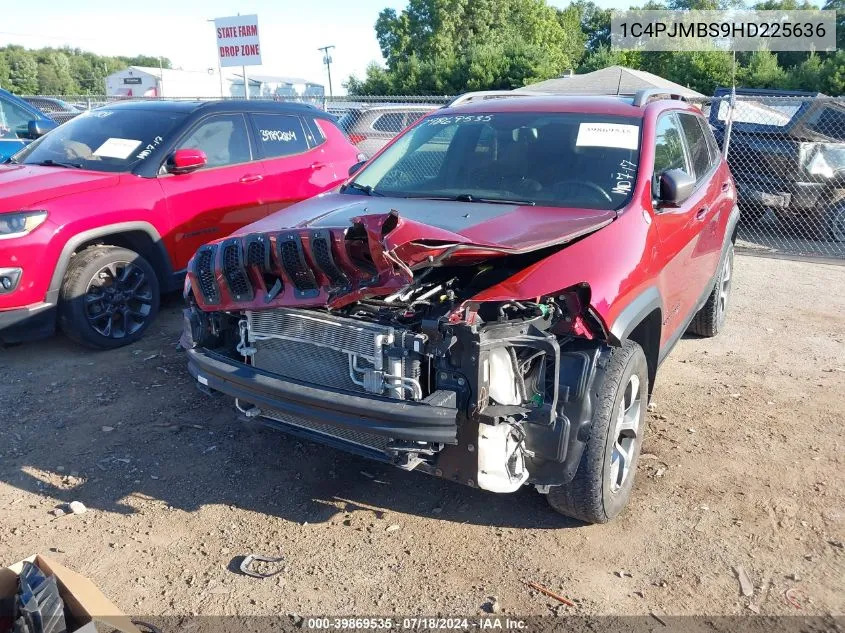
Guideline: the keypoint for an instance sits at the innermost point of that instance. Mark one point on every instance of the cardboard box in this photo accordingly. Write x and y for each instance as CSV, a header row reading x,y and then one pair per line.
x,y
85,602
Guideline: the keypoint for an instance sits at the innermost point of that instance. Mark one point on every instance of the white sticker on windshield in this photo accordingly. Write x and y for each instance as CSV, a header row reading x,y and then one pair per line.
x,y
616,135
117,148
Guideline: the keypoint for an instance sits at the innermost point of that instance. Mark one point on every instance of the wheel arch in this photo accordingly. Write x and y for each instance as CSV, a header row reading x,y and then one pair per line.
x,y
141,237
642,322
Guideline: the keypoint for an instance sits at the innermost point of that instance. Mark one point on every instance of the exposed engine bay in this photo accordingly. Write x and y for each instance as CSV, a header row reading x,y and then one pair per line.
x,y
508,401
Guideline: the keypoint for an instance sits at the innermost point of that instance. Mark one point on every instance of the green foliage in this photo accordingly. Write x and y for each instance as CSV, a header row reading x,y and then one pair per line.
x,y
447,46
64,71
762,71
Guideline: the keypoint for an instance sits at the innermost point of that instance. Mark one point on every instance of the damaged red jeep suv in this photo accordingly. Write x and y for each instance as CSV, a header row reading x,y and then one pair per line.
x,y
487,300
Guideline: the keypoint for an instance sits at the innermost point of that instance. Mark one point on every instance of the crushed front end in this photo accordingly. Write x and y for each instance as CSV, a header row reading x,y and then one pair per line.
x,y
332,336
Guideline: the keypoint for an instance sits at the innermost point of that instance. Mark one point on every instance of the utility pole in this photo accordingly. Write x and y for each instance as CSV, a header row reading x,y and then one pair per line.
x,y
327,60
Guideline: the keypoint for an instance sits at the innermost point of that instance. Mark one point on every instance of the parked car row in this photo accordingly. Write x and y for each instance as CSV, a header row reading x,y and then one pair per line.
x,y
787,152
20,123
103,213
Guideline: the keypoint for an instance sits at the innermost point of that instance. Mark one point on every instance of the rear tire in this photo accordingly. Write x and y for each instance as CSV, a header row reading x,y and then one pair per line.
x,y
710,320
109,297
603,482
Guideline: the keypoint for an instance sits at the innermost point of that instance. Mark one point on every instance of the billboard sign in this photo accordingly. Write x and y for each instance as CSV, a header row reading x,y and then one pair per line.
x,y
237,41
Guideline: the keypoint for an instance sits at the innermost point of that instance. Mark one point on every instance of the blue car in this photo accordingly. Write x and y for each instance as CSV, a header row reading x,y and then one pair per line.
x,y
20,123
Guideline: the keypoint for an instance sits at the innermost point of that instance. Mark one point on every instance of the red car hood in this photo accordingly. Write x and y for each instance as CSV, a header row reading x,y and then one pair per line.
x,y
511,228
335,249
22,186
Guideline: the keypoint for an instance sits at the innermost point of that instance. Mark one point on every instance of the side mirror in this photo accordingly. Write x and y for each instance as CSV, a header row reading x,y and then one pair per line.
x,y
37,129
676,185
184,161
356,167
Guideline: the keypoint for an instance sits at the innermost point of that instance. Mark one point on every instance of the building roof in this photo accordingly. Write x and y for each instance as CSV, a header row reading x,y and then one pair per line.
x,y
275,79
165,73
608,81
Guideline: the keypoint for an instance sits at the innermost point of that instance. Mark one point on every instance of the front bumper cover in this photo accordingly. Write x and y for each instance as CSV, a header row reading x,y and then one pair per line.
x,y
27,324
397,419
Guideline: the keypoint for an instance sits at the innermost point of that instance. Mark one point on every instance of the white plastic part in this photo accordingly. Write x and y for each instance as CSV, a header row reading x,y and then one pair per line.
x,y
501,464
502,381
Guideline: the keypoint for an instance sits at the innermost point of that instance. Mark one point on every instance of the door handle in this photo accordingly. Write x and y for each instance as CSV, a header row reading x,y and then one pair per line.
x,y
702,213
317,165
253,178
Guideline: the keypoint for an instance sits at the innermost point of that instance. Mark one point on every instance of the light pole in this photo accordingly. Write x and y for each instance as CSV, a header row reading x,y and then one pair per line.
x,y
327,60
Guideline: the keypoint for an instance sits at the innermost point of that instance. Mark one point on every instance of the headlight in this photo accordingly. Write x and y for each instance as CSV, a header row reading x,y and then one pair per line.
x,y
828,158
20,223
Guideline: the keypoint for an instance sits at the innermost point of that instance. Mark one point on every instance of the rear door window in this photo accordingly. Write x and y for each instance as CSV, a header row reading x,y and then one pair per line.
x,y
279,135
393,122
697,145
313,132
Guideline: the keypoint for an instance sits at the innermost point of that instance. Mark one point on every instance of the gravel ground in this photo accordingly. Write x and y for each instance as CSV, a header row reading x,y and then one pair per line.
x,y
739,470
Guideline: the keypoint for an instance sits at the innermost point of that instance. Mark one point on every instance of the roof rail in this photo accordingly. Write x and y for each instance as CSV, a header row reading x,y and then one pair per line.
x,y
483,95
646,95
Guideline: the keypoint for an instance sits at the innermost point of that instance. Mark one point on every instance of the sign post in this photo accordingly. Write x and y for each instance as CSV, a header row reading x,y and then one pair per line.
x,y
237,43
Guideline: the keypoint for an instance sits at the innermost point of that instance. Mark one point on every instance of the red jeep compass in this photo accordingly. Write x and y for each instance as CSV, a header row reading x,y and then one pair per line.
x,y
488,300
104,212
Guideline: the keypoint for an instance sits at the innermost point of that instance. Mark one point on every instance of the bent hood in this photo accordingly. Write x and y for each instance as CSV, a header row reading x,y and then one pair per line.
x,y
515,228
23,186
336,249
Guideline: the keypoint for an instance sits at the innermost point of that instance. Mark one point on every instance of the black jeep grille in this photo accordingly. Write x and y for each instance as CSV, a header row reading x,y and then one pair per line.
x,y
234,272
255,254
323,256
204,270
291,257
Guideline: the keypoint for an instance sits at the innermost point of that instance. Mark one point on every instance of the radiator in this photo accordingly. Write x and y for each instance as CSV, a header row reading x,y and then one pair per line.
x,y
327,350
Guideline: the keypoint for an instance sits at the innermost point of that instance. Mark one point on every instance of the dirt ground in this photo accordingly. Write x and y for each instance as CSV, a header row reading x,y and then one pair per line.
x,y
742,466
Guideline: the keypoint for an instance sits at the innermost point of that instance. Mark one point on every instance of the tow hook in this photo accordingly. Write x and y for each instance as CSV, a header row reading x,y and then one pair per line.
x,y
252,412
243,347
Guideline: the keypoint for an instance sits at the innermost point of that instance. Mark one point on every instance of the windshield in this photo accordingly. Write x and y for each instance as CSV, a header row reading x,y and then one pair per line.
x,y
564,160
103,140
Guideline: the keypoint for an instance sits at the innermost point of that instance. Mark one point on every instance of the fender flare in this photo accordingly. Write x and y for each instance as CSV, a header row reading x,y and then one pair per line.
x,y
77,239
633,314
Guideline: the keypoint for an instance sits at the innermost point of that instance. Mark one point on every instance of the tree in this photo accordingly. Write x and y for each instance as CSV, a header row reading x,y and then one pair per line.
x,y
54,74
762,71
23,71
595,24
448,46
4,71
808,74
146,60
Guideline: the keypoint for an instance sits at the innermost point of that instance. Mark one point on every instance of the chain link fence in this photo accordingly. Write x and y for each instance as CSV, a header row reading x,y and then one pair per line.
x,y
787,154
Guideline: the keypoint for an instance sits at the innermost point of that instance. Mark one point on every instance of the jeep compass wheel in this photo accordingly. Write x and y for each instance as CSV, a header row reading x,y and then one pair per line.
x,y
602,485
110,296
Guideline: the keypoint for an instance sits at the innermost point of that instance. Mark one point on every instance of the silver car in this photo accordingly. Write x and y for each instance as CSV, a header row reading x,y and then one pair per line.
x,y
370,127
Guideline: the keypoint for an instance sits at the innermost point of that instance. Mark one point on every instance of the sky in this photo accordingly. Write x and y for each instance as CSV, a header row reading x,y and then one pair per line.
x,y
290,31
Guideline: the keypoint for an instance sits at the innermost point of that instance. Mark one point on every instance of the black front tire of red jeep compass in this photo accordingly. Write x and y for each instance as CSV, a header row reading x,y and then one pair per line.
x,y
109,297
602,484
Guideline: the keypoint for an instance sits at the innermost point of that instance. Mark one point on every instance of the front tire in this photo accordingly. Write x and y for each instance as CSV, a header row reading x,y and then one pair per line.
x,y
109,297
710,319
603,482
